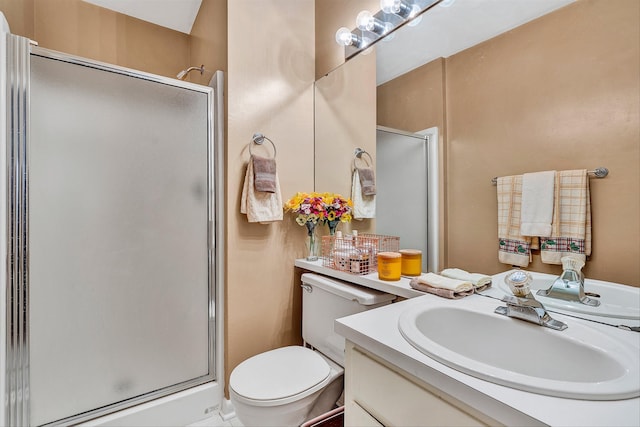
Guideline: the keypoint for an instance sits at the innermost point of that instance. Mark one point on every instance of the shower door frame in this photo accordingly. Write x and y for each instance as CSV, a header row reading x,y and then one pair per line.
x,y
14,183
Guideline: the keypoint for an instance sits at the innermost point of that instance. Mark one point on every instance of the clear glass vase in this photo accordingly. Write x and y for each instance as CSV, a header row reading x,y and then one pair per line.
x,y
313,243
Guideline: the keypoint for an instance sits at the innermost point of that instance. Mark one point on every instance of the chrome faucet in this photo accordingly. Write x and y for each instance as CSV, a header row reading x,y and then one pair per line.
x,y
523,305
570,285
529,309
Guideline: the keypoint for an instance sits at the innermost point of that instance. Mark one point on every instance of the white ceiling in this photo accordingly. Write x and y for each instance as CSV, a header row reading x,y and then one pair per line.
x,y
178,15
445,31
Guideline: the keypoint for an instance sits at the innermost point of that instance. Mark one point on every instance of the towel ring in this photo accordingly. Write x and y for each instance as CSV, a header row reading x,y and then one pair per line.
x,y
358,155
258,139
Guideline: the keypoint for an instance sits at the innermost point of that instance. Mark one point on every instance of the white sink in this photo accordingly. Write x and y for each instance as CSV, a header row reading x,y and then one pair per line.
x,y
616,301
581,362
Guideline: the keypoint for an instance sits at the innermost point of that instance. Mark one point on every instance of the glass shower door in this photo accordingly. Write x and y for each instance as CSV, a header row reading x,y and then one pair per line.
x,y
120,217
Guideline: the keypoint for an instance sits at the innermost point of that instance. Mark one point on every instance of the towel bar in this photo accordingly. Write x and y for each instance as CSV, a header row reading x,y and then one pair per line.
x,y
597,172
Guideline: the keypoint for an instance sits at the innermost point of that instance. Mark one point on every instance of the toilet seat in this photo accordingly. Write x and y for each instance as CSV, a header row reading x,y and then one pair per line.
x,y
279,376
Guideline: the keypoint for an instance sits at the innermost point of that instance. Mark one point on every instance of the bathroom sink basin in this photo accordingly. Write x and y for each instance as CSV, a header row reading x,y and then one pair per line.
x,y
581,362
616,301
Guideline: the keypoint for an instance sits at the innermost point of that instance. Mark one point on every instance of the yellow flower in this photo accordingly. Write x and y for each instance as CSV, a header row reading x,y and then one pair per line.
x,y
331,215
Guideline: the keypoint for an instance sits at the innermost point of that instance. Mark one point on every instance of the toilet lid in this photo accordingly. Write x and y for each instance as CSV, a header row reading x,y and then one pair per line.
x,y
279,373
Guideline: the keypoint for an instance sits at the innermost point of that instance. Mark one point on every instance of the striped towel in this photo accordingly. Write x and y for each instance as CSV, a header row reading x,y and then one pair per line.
x,y
513,249
571,224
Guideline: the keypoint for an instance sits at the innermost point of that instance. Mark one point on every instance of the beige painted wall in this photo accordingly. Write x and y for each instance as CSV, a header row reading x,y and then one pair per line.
x,y
86,30
345,118
83,29
208,41
270,90
560,92
423,91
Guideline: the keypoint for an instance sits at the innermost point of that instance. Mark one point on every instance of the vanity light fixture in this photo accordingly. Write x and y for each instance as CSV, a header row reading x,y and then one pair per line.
x,y
366,21
400,8
345,37
382,25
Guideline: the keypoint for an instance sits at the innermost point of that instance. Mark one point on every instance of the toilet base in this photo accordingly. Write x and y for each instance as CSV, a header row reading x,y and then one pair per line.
x,y
290,414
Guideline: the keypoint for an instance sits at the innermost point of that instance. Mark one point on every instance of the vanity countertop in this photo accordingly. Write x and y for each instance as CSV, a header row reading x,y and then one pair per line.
x,y
377,332
400,288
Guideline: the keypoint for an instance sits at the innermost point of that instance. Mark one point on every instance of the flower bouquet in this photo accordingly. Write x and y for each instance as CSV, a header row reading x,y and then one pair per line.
x,y
337,210
310,210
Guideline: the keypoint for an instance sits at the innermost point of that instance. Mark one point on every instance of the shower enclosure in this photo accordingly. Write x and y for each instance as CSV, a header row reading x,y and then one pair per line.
x,y
109,187
407,175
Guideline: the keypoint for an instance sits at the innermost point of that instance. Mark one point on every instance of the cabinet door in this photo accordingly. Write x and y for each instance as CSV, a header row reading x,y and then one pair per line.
x,y
395,400
356,416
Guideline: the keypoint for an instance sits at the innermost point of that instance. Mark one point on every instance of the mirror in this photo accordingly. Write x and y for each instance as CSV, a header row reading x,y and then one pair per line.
x,y
543,94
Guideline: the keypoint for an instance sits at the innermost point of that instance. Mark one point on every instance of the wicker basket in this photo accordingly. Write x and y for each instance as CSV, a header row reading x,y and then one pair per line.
x,y
356,255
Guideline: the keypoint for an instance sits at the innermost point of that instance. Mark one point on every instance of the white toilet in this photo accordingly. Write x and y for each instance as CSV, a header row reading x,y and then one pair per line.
x,y
286,386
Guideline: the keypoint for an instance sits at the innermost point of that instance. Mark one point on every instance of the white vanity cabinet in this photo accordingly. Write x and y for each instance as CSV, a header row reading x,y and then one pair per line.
x,y
378,394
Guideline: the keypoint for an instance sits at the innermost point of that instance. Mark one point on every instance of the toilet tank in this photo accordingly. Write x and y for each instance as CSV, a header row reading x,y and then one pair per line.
x,y
323,301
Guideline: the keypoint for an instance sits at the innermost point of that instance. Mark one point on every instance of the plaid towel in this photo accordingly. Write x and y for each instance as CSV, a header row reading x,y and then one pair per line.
x,y
513,249
571,224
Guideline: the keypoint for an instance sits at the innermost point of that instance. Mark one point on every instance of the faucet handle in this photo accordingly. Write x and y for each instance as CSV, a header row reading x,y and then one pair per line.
x,y
572,263
519,281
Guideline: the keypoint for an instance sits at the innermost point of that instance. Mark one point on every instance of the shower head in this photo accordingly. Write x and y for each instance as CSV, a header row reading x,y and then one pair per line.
x,y
183,74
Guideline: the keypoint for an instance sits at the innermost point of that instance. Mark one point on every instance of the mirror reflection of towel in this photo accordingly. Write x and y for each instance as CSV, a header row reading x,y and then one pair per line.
x,y
536,211
571,225
514,249
363,206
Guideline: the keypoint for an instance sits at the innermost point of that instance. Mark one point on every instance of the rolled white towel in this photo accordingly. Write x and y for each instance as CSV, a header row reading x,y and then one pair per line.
x,y
438,281
478,280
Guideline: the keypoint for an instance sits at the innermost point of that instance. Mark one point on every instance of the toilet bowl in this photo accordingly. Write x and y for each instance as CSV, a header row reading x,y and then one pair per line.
x,y
284,387
289,385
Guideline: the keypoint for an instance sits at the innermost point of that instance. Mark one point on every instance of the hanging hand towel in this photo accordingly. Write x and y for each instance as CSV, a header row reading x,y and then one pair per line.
x,y
363,206
571,225
264,172
537,203
513,249
260,206
367,181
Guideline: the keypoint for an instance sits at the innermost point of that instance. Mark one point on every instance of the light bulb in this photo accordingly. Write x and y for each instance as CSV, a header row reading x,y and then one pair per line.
x,y
366,21
400,8
344,36
390,6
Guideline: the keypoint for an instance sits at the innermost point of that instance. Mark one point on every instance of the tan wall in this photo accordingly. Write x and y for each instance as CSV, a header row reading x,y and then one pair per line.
x,y
19,14
423,91
345,118
329,16
270,90
83,29
558,93
208,41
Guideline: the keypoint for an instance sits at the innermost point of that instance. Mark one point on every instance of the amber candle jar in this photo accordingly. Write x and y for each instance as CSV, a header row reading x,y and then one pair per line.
x,y
411,262
389,266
